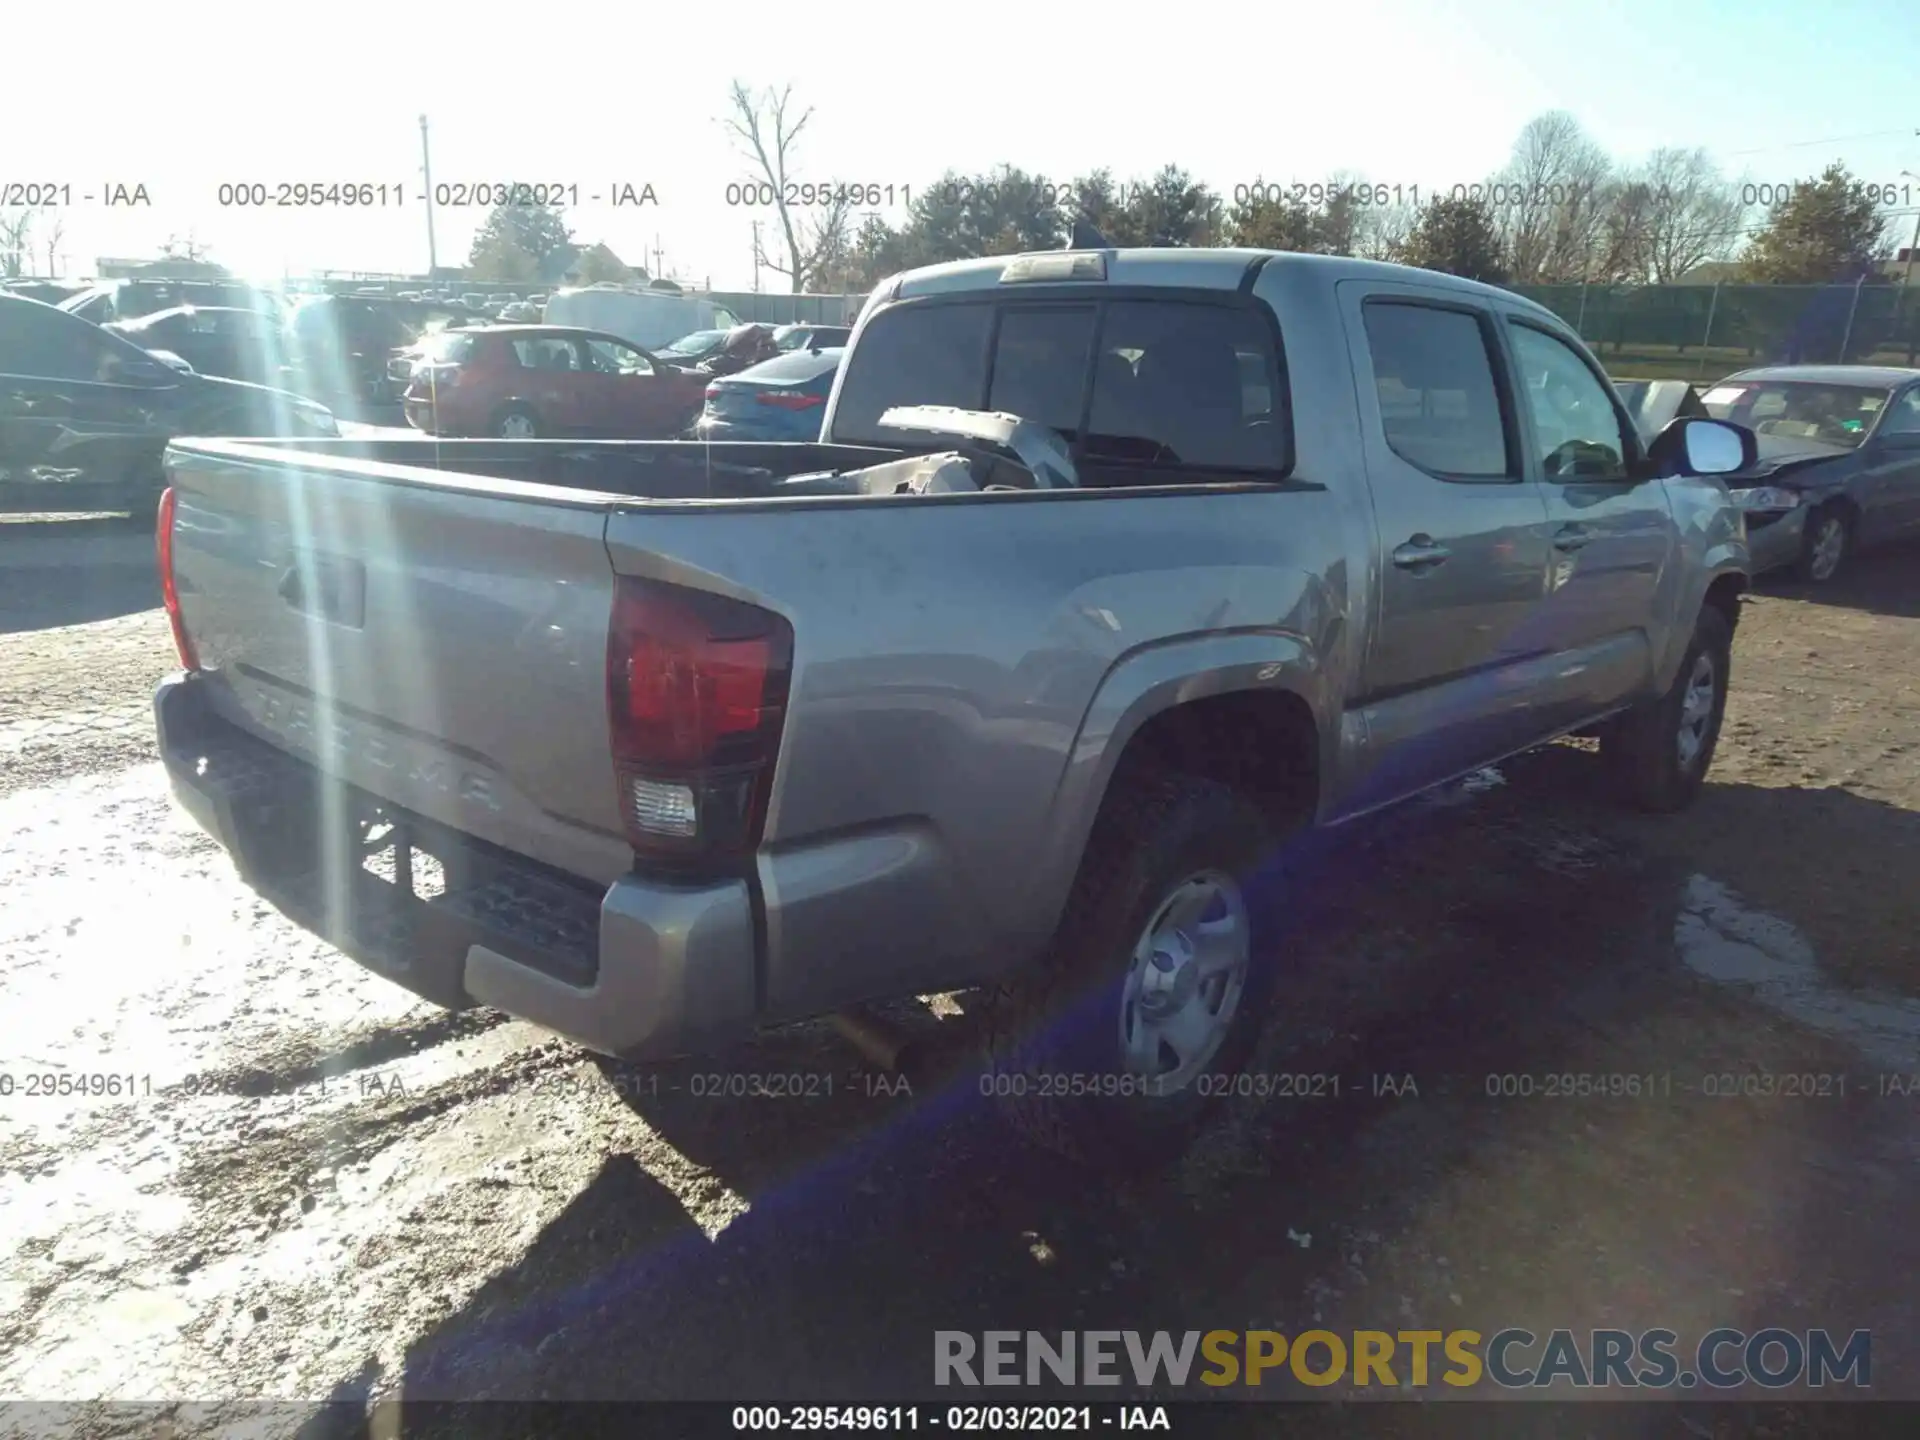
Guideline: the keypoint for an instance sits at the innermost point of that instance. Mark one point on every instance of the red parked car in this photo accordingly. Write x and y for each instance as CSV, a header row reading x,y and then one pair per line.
x,y
525,381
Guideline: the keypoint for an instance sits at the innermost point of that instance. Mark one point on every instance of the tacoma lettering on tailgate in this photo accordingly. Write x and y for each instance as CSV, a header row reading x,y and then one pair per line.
x,y
349,740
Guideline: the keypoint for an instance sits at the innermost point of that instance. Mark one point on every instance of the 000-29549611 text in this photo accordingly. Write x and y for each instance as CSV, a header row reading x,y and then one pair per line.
x,y
1016,1419
308,194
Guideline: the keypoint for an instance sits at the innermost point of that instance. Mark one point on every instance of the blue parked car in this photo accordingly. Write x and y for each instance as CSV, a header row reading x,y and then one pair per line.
x,y
784,398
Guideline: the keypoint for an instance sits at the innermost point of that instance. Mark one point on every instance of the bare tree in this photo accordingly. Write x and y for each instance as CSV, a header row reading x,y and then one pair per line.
x,y
1694,214
1622,247
1381,232
816,236
1550,199
16,240
55,233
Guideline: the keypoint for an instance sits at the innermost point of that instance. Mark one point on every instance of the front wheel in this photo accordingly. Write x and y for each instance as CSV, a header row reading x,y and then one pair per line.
x,y
1661,751
1110,1050
1823,545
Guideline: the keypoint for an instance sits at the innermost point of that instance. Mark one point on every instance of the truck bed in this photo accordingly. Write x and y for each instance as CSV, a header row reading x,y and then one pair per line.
x,y
435,638
427,619
642,469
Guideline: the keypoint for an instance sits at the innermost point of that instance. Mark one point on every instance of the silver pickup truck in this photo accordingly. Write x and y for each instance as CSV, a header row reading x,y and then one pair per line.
x,y
1113,571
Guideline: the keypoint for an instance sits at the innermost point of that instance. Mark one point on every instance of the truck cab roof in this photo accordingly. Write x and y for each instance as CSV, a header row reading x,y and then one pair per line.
x,y
1195,269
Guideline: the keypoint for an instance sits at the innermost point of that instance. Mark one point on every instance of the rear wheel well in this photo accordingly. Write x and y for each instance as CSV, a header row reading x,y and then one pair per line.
x,y
1261,743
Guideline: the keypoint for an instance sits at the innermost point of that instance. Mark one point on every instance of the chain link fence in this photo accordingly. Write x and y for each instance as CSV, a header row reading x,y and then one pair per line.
x,y
1702,332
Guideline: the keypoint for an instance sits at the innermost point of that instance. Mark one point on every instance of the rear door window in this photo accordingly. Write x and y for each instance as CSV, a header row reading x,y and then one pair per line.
x,y
543,352
1439,402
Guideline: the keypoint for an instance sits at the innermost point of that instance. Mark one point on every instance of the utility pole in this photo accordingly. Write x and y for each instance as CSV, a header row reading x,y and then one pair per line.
x,y
1906,276
426,172
658,273
756,257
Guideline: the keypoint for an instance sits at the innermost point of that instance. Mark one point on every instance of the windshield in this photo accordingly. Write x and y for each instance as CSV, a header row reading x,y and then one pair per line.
x,y
1633,393
697,343
1799,409
446,347
809,337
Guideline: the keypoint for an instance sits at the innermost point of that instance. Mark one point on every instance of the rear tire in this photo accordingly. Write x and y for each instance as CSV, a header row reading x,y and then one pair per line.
x,y
515,422
1156,955
1660,752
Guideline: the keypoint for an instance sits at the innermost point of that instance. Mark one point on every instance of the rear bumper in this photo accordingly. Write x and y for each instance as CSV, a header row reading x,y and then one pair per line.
x,y
645,968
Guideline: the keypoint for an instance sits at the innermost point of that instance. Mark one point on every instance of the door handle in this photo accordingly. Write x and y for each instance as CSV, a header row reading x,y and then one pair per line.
x,y
1420,553
1572,537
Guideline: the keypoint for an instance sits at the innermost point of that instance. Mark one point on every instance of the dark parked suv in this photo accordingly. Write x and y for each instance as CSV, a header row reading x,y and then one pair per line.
x,y
85,416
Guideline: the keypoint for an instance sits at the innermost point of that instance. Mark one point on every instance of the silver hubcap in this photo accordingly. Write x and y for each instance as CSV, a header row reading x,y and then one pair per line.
x,y
1696,711
1829,543
516,427
1184,986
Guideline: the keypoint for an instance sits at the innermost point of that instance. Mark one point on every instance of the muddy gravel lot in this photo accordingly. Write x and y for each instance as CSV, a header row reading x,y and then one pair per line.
x,y
248,1169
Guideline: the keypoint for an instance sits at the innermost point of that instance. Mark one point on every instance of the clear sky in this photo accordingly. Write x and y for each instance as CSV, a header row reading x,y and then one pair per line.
x,y
1407,92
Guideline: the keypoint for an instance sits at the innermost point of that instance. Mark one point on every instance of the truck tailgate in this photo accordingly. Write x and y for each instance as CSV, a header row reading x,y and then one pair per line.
x,y
440,644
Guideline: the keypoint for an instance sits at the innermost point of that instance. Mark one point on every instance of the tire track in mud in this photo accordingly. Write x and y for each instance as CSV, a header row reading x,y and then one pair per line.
x,y
331,1059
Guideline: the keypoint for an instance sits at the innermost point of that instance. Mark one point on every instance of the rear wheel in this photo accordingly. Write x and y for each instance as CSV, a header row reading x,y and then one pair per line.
x,y
1109,1050
516,422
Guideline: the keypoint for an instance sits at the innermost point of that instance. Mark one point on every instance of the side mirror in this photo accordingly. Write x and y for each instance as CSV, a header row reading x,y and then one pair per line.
x,y
1691,446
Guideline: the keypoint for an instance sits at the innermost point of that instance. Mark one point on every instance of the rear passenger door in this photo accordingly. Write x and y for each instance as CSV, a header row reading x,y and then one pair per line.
x,y
1449,676
1613,538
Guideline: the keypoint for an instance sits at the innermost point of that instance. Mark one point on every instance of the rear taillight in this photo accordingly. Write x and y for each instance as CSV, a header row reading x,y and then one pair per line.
x,y
712,393
169,592
696,694
790,399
